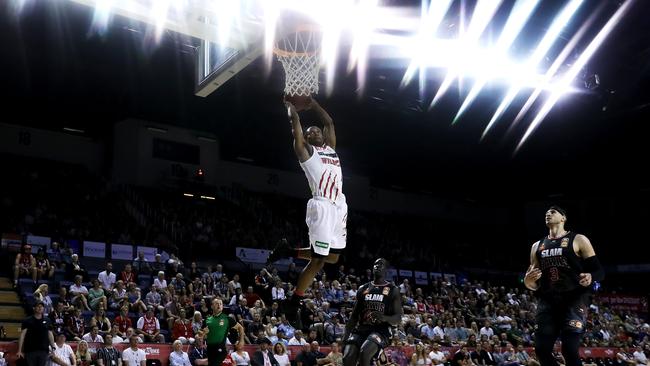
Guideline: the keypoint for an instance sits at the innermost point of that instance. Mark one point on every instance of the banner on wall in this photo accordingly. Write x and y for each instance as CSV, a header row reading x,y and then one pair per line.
x,y
624,303
250,255
435,276
12,242
149,253
122,251
94,249
405,273
39,241
421,278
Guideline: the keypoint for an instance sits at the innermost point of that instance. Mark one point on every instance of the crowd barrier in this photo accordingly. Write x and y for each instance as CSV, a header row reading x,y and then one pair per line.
x,y
161,351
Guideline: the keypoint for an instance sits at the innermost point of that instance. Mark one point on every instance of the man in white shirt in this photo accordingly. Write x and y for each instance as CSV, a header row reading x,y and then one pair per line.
x,y
93,336
133,356
436,356
79,292
63,354
177,357
297,339
438,330
107,278
504,321
160,283
404,287
640,357
486,330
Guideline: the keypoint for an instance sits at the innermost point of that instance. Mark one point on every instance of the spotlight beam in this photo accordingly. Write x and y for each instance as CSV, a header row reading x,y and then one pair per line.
x,y
575,69
542,48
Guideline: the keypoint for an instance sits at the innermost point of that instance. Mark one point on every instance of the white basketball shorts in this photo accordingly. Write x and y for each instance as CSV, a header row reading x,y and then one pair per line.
x,y
327,225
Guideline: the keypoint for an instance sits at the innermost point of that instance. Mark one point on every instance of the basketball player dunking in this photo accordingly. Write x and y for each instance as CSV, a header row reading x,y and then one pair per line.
x,y
327,210
562,268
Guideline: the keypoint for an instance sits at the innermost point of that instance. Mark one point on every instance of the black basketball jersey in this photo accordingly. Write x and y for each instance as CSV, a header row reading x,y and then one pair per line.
x,y
560,265
372,297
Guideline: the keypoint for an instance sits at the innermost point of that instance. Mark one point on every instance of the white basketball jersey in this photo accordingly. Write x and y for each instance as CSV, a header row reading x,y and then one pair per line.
x,y
323,171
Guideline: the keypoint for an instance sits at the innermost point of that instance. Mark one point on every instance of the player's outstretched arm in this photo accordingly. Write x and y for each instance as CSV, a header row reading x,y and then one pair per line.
x,y
328,124
299,144
593,270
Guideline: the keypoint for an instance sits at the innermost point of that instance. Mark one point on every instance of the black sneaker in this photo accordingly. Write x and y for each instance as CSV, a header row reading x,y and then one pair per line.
x,y
281,251
292,307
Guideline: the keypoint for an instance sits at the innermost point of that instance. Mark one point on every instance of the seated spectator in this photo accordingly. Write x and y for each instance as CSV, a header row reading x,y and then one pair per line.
x,y
107,279
253,328
240,357
203,308
461,357
222,288
251,297
64,298
54,254
83,356
280,354
335,357
286,328
197,322
509,356
297,339
199,353
436,356
157,265
178,357
263,356
160,283
149,327
123,321
44,269
79,293
171,311
523,358
141,264
242,313
195,289
41,294
334,330
119,298
75,268
127,276
134,356
96,296
25,264
75,326
93,336
134,299
487,354
132,333
182,329
178,282
397,355
62,354
116,335
272,312
419,357
154,299
108,355
57,318
101,321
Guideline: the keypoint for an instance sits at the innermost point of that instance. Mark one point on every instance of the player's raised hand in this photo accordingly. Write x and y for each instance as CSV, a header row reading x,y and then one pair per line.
x,y
585,279
292,113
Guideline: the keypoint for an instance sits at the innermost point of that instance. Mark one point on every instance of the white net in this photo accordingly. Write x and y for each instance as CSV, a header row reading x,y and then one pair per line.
x,y
299,54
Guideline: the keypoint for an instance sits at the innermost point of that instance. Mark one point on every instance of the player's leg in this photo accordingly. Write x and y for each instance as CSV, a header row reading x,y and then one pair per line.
x,y
305,253
548,329
351,351
576,314
369,349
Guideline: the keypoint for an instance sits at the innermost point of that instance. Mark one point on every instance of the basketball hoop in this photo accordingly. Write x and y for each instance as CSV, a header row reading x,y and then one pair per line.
x,y
299,53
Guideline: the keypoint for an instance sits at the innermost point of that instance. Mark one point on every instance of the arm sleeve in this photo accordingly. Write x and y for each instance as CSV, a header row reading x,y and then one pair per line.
x,y
593,266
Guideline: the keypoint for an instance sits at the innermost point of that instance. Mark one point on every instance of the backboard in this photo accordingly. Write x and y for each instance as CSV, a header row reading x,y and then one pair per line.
x,y
229,33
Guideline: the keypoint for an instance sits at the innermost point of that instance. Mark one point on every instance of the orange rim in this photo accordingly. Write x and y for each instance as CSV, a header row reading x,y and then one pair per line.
x,y
299,28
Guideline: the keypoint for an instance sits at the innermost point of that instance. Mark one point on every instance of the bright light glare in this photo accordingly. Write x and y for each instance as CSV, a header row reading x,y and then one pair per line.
x,y
575,69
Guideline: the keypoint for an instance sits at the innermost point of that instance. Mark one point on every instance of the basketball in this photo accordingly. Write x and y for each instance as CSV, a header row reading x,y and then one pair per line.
x,y
301,102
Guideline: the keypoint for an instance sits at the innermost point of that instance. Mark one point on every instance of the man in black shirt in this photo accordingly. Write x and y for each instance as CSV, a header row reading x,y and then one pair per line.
x,y
108,355
36,337
460,357
377,309
562,268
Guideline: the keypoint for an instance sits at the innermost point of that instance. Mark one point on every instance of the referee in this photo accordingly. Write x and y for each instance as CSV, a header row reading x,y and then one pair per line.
x,y
36,338
217,327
